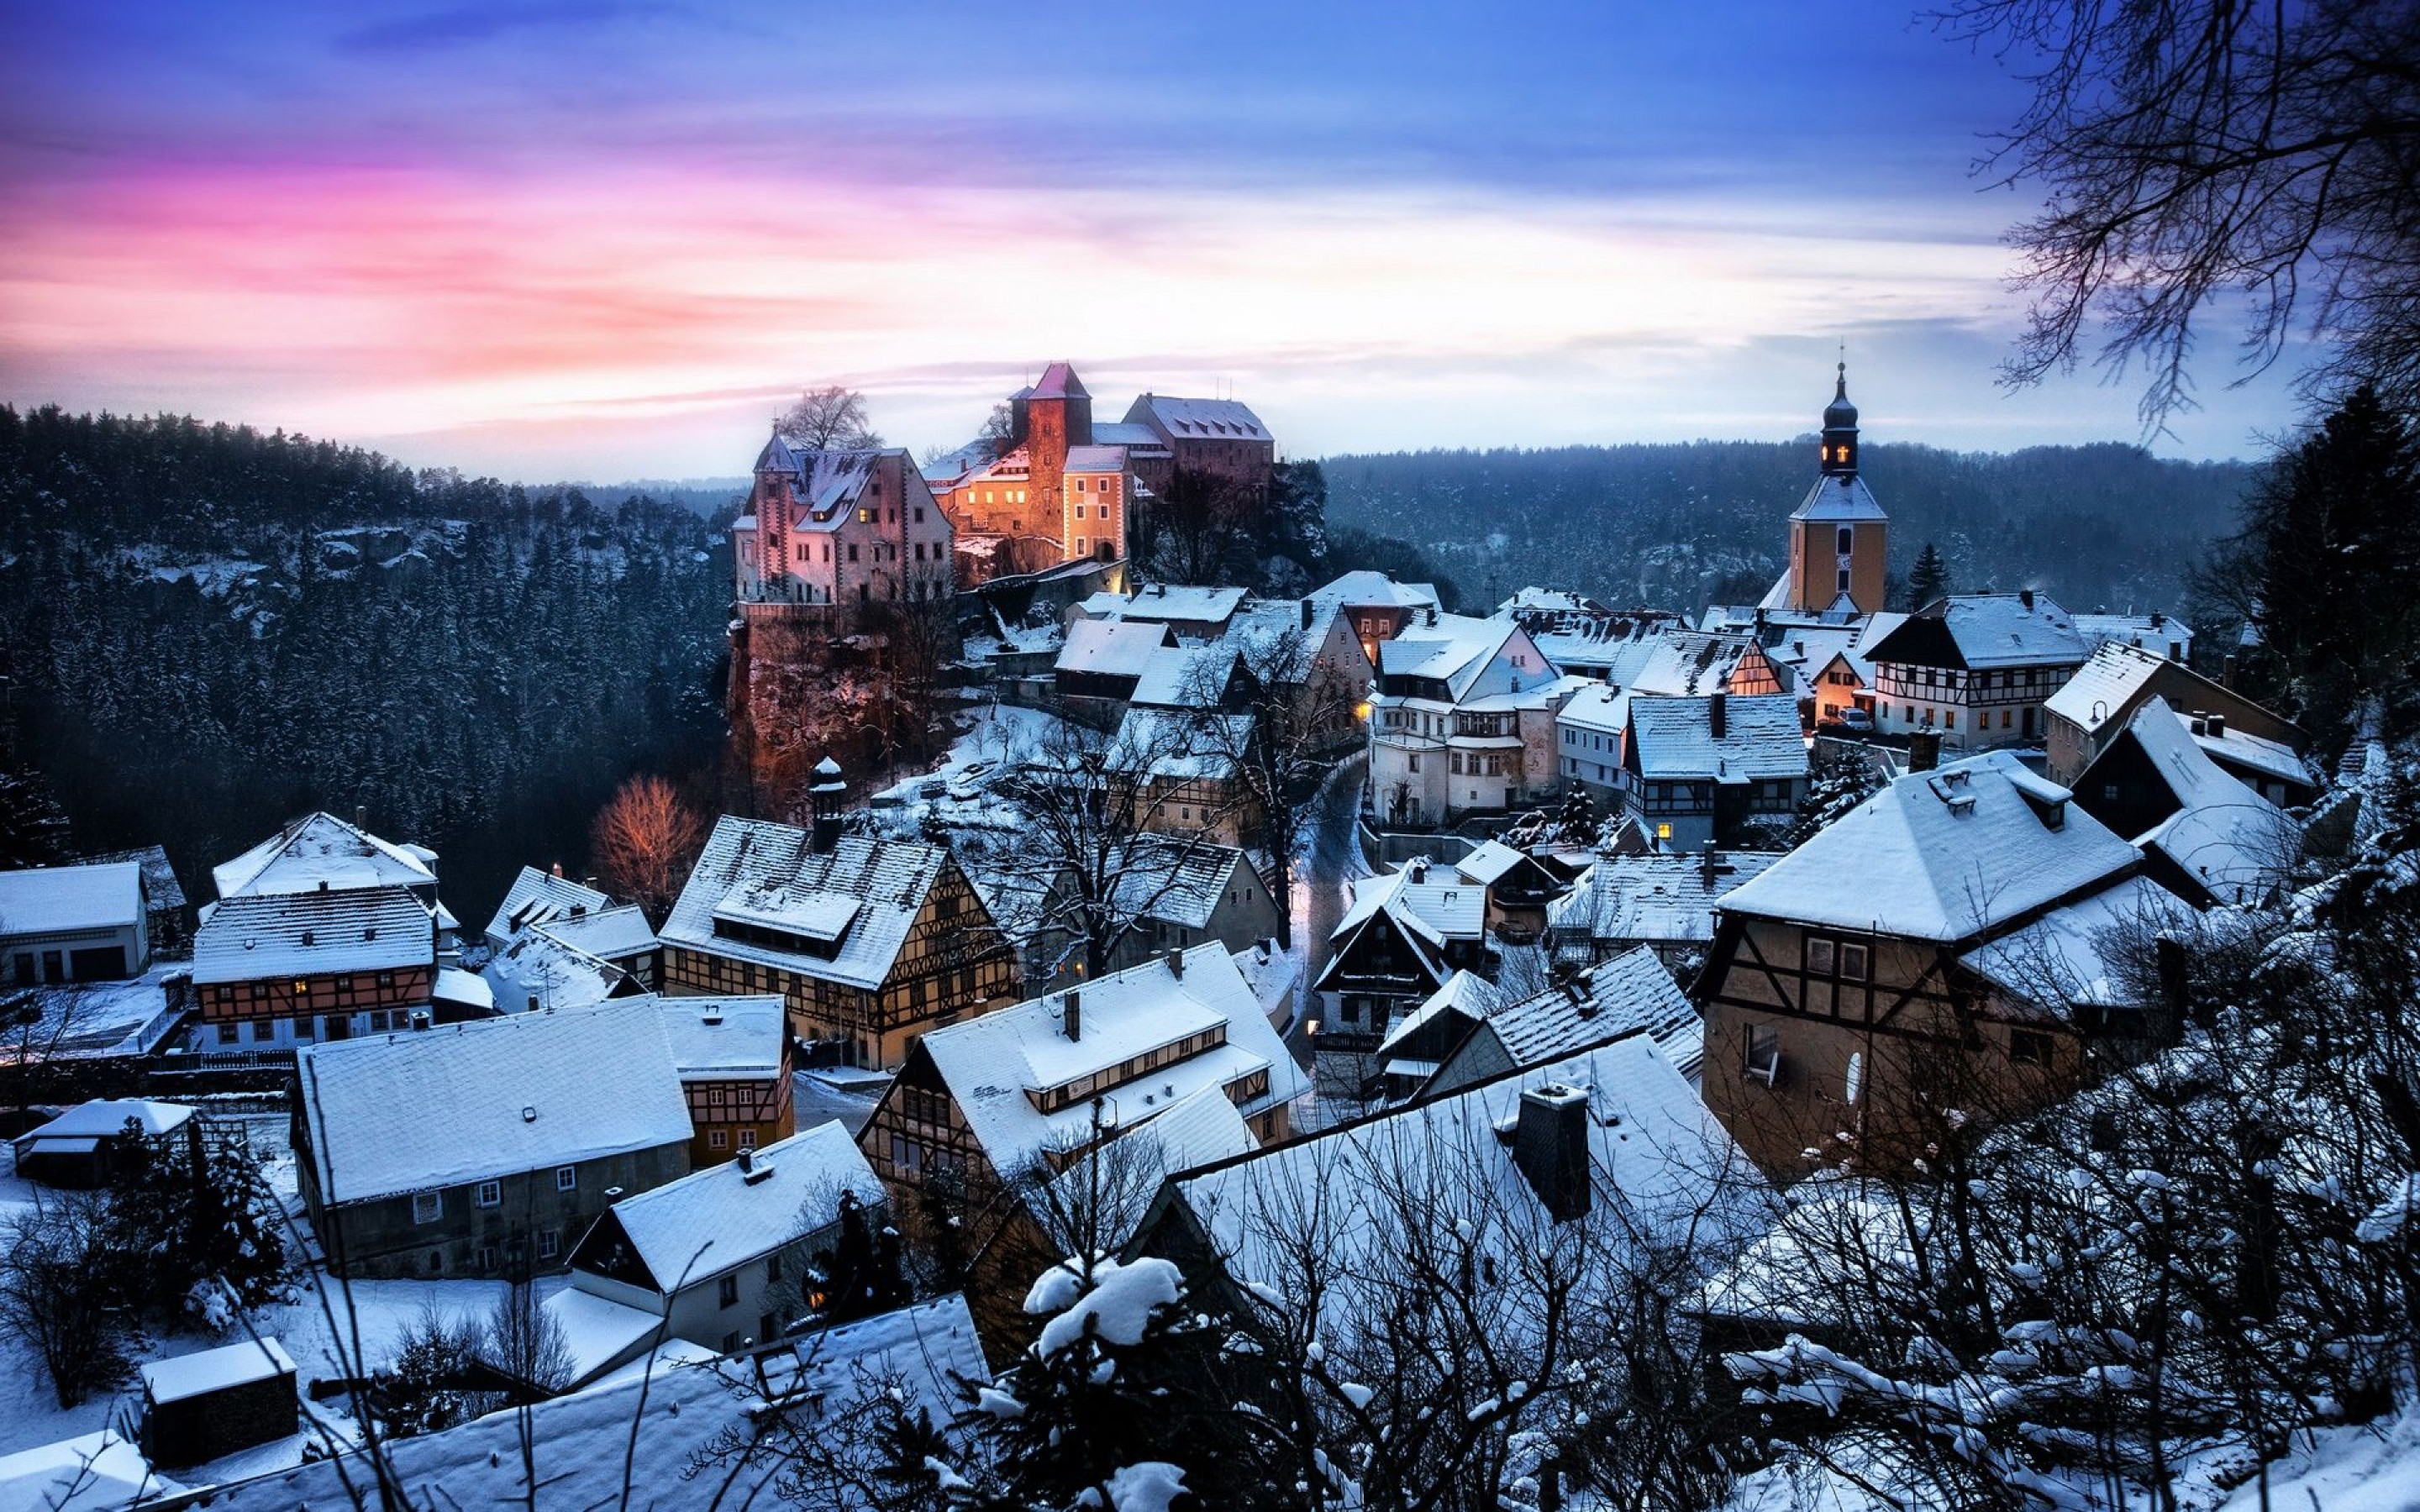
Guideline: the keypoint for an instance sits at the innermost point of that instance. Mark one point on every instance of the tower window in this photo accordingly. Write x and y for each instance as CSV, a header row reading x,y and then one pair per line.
x,y
1848,537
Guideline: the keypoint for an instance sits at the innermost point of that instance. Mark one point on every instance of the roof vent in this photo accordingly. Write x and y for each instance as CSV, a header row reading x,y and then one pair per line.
x,y
712,1019
529,1115
752,1173
308,937
323,883
369,932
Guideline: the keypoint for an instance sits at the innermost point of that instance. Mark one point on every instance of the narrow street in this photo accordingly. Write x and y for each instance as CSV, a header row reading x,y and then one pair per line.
x,y
1331,859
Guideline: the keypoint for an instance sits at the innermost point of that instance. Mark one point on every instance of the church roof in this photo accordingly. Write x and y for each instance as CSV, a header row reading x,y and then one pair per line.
x,y
1842,497
1059,381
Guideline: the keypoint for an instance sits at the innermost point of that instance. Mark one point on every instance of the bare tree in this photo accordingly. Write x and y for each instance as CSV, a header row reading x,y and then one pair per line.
x,y
527,1344
828,419
2204,149
59,1294
1095,811
644,839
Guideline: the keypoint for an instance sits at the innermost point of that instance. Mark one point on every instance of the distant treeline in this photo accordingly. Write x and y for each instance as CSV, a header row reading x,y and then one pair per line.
x,y
209,630
1686,524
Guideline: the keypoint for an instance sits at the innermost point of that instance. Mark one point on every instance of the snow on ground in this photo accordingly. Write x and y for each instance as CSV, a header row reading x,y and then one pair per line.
x,y
957,793
330,1328
836,1092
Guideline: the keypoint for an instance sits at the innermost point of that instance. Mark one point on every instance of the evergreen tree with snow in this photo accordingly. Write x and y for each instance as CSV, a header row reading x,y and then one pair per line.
x,y
1928,580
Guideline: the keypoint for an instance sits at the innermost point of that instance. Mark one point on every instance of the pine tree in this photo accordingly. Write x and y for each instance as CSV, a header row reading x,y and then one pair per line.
x,y
1928,580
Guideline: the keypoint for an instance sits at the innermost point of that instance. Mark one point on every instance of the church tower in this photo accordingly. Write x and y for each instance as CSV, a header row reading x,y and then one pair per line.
x,y
1839,538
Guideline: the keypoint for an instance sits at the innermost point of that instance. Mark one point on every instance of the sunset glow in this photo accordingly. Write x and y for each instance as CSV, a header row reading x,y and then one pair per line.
x,y
417,232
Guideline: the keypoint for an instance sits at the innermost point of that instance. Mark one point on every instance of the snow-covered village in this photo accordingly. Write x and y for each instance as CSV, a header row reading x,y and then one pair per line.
x,y
1329,761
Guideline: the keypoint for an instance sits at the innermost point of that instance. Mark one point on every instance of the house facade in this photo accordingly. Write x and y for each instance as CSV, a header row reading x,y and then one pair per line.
x,y
733,1055
278,969
2094,706
1012,1094
1844,1012
720,1258
1976,669
840,528
73,923
871,943
518,1133
1706,771
1463,723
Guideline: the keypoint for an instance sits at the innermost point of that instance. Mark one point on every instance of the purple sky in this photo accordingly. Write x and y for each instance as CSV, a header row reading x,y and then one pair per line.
x,y
603,241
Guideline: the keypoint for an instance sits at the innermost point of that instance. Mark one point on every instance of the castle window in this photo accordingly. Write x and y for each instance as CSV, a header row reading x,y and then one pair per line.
x,y
1847,538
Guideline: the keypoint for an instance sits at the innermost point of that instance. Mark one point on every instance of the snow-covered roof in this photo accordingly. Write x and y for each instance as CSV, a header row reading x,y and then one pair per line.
x,y
1489,860
714,1220
159,881
1201,419
1161,602
1537,600
2105,688
1947,855
1176,881
1134,436
94,1473
1980,631
320,848
2070,955
538,970
1466,992
1095,458
1186,678
1656,898
753,857
2154,632
538,897
724,1038
996,1066
657,1428
104,1117
610,933
1274,975
1112,648
1632,992
1601,709
80,1020
488,1099
1680,663
2255,753
1365,588
1655,1152
1841,498
59,900
253,936
456,985
1124,1174
208,1370
2226,836
1452,649
1674,737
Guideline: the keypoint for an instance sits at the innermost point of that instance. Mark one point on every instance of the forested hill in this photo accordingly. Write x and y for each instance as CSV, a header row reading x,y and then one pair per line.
x,y
210,630
1682,524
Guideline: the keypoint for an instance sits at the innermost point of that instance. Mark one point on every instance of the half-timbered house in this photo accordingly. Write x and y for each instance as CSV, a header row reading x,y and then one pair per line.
x,y
871,943
1846,1011
278,969
734,1058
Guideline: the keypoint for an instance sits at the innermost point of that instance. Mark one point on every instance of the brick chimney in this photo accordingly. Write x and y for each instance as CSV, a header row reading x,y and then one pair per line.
x,y
1074,1013
1550,1147
1924,750
825,797
1717,715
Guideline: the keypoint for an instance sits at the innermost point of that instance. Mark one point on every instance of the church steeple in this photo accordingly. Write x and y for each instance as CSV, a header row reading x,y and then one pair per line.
x,y
1841,431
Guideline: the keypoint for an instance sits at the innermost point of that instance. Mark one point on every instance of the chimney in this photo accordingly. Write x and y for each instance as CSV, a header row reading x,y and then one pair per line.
x,y
1550,1147
1716,715
825,797
1923,751
1306,614
1075,1014
746,1160
1176,964
361,816
2218,727
2227,672
2025,596
558,869
1706,864
2158,619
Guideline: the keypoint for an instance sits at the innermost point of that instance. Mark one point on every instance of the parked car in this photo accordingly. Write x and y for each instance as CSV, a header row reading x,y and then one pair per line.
x,y
1861,720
